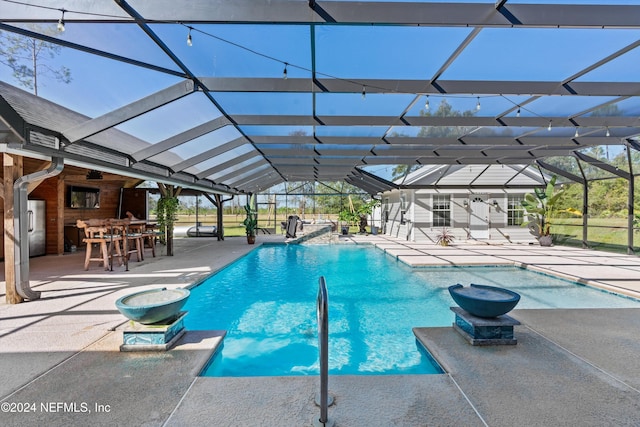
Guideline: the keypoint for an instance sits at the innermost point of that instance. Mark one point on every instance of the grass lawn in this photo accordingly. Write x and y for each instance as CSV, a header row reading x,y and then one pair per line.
x,y
601,231
607,232
233,223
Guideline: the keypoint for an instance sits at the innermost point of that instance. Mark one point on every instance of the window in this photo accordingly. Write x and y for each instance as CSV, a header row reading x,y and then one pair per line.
x,y
83,197
441,211
515,212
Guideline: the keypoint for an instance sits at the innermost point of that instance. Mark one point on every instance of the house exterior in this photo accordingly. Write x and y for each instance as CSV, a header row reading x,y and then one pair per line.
x,y
474,202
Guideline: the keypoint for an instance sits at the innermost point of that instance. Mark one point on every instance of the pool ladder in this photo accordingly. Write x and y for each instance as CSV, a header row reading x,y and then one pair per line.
x,y
323,399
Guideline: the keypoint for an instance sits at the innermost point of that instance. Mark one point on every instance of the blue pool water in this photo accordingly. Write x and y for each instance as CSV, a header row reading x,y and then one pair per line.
x,y
267,303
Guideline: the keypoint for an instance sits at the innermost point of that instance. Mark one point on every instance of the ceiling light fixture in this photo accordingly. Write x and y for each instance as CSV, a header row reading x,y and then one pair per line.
x,y
608,134
61,22
284,73
518,112
478,105
189,39
426,104
94,174
575,135
364,92
549,127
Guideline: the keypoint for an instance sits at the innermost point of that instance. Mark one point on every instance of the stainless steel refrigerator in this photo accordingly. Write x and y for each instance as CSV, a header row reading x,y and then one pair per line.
x,y
37,222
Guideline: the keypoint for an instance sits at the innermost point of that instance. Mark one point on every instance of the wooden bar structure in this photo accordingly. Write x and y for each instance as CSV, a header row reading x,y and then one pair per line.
x,y
60,218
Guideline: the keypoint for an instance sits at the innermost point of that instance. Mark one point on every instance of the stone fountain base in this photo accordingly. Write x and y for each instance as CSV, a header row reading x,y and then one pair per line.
x,y
485,331
156,337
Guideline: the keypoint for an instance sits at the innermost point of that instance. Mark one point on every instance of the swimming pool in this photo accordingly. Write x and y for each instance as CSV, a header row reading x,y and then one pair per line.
x,y
266,302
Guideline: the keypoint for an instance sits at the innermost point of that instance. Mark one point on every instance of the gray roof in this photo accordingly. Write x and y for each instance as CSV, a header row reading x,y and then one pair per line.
x,y
474,176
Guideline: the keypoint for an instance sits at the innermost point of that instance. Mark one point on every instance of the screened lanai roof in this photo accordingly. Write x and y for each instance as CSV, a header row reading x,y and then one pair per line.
x,y
241,95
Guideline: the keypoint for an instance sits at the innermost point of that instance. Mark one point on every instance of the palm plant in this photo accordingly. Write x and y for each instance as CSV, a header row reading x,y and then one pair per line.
x,y
542,206
358,216
251,220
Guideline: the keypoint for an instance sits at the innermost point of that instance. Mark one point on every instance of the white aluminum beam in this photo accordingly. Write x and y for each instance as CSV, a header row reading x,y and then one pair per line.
x,y
256,166
337,12
128,112
418,121
440,87
209,154
180,138
228,164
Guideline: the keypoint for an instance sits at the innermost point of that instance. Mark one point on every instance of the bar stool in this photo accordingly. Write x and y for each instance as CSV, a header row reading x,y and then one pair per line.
x,y
136,241
132,239
100,235
149,237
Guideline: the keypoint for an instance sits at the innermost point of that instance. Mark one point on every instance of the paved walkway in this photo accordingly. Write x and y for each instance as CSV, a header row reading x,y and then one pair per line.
x,y
616,272
60,354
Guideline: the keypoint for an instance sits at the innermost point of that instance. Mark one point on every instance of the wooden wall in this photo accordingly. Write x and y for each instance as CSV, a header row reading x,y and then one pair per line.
x,y
61,219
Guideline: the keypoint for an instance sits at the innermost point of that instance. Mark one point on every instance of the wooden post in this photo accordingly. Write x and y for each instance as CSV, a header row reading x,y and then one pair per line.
x,y
169,191
164,192
12,169
218,202
169,230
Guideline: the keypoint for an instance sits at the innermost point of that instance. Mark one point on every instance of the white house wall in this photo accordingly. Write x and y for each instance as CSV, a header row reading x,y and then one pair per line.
x,y
419,227
499,229
391,212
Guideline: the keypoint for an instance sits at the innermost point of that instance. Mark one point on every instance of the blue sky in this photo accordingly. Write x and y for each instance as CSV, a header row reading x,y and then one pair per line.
x,y
343,52
100,85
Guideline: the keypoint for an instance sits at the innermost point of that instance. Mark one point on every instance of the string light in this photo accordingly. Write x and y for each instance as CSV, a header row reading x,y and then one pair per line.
x,y
285,72
61,22
61,28
427,105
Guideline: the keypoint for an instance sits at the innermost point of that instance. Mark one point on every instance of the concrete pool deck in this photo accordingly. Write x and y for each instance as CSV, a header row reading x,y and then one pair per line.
x,y
61,366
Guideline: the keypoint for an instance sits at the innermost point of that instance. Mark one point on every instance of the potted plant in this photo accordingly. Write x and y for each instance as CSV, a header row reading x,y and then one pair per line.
x,y
349,217
251,221
357,216
540,208
365,211
444,237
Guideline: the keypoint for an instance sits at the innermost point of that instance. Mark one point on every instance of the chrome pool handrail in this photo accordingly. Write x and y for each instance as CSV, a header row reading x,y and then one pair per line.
x,y
323,347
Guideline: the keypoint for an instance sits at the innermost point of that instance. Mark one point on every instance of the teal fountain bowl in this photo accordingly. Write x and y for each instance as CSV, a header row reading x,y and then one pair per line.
x,y
152,306
484,301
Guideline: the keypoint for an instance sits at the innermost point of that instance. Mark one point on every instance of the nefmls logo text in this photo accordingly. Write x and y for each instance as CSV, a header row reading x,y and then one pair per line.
x,y
64,407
